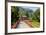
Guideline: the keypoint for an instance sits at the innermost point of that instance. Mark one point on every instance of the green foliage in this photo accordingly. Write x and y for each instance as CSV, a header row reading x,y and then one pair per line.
x,y
14,14
17,12
27,14
36,15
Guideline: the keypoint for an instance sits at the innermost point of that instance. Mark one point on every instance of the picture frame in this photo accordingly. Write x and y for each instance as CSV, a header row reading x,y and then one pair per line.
x,y
8,5
25,0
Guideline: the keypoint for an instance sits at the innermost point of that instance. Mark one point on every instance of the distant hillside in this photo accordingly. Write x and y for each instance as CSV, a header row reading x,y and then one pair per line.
x,y
25,12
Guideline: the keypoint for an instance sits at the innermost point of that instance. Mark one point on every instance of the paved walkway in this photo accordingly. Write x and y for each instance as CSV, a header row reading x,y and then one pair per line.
x,y
22,24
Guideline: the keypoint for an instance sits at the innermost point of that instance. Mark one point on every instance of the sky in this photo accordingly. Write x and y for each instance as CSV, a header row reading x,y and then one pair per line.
x,y
33,8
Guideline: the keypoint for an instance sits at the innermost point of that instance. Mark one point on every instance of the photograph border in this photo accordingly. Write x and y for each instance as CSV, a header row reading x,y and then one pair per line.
x,y
22,2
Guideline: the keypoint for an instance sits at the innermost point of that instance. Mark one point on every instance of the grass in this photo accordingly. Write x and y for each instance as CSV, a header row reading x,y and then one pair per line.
x,y
35,24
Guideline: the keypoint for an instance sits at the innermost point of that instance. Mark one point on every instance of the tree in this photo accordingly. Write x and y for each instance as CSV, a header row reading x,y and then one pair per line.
x,y
14,14
27,14
36,15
